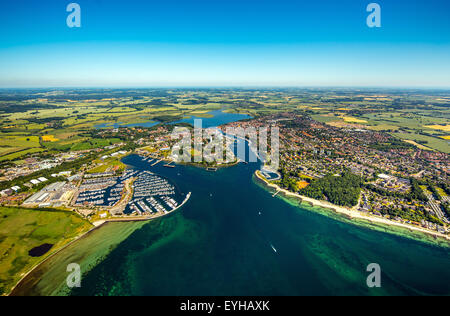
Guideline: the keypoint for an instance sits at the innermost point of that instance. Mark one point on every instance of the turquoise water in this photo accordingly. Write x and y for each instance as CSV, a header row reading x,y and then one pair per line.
x,y
222,243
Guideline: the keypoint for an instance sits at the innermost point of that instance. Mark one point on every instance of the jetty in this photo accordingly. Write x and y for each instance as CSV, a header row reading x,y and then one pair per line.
x,y
157,161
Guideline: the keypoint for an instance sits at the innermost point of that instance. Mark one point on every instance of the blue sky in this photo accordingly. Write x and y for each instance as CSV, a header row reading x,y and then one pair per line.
x,y
224,43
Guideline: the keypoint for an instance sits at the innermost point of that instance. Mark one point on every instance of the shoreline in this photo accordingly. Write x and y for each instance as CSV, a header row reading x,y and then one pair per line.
x,y
201,166
96,225
53,254
40,273
354,215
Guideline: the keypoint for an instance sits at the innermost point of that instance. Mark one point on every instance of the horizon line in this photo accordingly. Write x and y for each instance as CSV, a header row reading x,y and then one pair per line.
x,y
227,87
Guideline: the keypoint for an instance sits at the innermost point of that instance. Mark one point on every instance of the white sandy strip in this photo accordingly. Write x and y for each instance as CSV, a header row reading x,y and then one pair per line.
x,y
352,213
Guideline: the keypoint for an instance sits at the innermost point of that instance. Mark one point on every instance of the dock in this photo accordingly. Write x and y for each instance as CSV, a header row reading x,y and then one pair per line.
x,y
157,161
275,194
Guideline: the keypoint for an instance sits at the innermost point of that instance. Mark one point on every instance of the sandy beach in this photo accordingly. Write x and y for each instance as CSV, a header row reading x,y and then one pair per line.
x,y
351,213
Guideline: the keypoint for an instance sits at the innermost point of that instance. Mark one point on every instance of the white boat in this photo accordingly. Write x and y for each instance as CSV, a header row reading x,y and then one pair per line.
x,y
274,249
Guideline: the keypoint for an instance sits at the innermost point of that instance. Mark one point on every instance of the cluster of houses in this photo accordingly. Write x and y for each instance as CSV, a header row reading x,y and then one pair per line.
x,y
392,183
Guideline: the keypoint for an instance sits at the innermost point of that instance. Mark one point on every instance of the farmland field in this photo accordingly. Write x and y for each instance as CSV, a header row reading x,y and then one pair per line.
x,y
428,141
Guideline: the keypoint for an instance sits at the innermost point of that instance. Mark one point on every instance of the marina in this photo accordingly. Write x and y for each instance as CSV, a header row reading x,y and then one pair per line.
x,y
156,162
152,195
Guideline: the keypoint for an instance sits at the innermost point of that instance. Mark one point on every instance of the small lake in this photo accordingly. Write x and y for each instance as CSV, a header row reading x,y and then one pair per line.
x,y
219,118
40,250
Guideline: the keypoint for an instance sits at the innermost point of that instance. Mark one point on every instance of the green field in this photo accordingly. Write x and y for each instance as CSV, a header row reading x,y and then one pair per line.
x,y
23,229
428,141
20,153
80,143
15,146
108,165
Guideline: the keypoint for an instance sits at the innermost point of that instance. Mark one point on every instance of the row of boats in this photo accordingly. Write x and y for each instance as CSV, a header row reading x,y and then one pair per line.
x,y
148,184
105,191
153,162
152,194
97,183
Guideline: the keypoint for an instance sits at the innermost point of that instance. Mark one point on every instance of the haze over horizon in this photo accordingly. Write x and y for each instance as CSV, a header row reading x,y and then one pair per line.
x,y
231,43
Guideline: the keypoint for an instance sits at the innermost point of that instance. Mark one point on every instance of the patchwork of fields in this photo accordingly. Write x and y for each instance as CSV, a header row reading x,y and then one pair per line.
x,y
62,120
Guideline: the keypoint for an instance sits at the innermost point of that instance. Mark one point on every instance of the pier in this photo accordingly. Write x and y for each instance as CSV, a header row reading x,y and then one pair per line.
x,y
155,163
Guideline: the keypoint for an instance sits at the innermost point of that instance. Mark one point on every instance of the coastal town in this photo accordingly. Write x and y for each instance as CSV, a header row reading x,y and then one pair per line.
x,y
346,163
397,181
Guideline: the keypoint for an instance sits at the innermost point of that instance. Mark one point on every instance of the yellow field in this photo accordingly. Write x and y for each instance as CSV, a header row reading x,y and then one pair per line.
x,y
445,128
49,138
417,144
350,119
447,137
